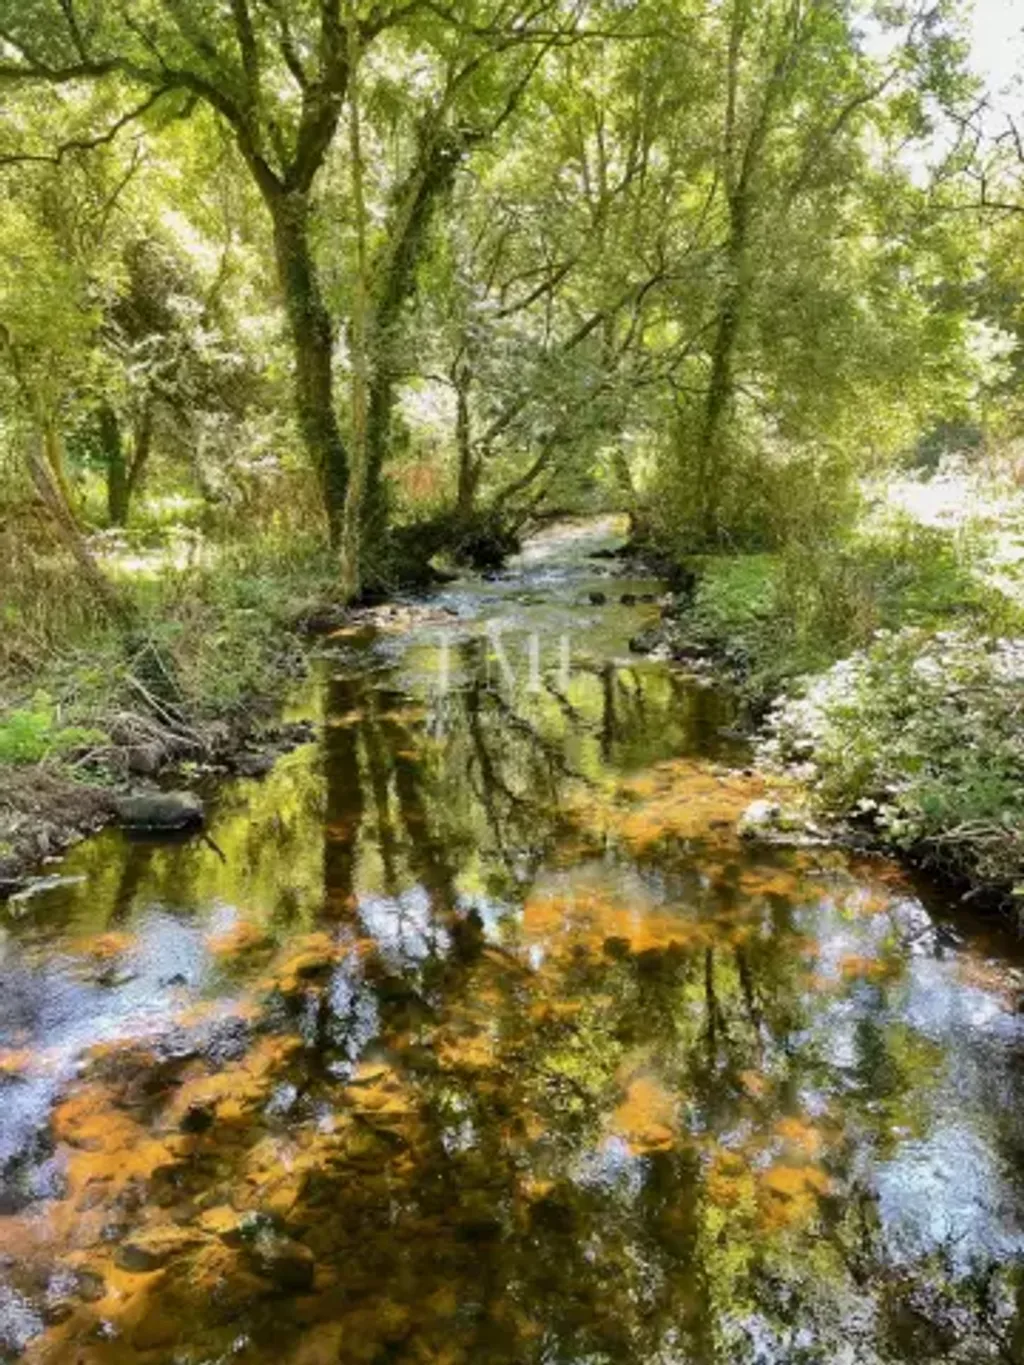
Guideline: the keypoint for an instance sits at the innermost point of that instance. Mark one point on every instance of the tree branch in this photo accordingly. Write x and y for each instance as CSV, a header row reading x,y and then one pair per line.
x,y
247,49
286,44
85,144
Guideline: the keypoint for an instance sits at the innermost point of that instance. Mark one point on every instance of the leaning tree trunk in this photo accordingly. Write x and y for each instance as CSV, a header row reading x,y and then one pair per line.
x,y
67,529
312,339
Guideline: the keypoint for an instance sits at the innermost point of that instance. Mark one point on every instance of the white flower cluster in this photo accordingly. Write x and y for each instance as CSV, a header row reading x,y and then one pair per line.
x,y
923,733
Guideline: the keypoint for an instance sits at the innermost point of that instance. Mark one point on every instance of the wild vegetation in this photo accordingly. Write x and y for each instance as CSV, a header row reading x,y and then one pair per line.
x,y
301,302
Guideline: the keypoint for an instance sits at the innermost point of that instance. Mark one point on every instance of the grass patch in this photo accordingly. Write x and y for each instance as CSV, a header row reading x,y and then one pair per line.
x,y
794,613
900,668
34,734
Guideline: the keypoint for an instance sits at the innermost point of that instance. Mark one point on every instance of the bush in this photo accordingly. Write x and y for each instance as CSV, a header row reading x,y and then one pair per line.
x,y
922,734
34,734
767,495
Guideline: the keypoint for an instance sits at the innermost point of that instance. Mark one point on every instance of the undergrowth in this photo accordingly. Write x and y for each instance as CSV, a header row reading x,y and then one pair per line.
x,y
213,637
798,611
921,735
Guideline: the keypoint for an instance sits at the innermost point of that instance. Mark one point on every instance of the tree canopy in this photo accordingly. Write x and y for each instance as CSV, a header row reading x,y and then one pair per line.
x,y
508,255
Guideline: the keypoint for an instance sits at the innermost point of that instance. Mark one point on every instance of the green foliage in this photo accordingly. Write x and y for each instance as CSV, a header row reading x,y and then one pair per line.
x,y
813,602
767,499
35,733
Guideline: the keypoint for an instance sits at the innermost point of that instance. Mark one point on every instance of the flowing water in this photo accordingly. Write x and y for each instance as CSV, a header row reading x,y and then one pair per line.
x,y
474,1033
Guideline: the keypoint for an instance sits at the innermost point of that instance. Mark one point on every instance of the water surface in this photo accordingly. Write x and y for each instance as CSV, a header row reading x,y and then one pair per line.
x,y
474,1033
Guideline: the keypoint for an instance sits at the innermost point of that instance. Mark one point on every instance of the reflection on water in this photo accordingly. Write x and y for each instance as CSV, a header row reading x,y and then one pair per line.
x,y
480,1036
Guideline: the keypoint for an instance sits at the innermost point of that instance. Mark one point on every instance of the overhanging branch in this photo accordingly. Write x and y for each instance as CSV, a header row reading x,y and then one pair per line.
x,y
85,144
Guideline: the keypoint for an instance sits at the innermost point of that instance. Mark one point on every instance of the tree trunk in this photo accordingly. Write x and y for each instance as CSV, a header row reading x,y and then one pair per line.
x,y
741,169
117,466
312,339
729,326
716,411
394,276
352,524
378,437
143,444
53,447
469,466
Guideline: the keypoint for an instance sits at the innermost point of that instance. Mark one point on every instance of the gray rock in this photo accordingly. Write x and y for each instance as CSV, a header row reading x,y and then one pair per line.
x,y
254,763
145,759
648,640
160,811
770,823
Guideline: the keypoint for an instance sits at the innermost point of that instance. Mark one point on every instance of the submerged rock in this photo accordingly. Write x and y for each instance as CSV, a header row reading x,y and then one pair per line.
x,y
90,1286
169,811
772,823
647,641
758,818
597,599
254,763
288,1264
198,1118
152,1248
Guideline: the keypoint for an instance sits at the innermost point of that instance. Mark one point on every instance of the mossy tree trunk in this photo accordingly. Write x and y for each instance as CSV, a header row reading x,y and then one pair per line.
x,y
313,345
352,528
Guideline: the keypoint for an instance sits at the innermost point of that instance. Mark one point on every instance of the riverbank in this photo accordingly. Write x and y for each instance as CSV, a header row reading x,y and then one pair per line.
x,y
89,711
195,697
885,675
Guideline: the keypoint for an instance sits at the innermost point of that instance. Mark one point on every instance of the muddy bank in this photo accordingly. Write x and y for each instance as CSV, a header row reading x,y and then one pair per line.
x,y
45,812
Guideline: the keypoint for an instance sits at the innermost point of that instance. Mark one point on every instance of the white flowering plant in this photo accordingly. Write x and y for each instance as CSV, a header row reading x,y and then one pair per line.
x,y
921,734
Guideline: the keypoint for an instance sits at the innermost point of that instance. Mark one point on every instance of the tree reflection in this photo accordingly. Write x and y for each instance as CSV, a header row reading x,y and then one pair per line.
x,y
559,1070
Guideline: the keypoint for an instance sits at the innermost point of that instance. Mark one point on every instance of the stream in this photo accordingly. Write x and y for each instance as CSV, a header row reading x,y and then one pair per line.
x,y
474,1033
